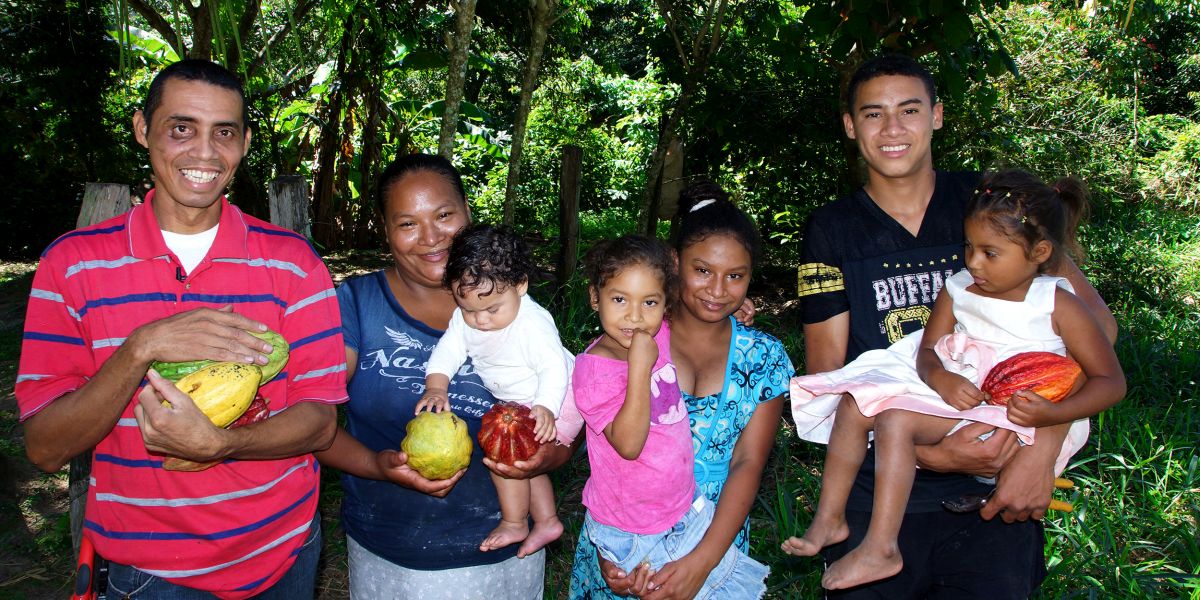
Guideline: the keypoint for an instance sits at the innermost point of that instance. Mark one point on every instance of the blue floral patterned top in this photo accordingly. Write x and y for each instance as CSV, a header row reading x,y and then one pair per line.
x,y
757,370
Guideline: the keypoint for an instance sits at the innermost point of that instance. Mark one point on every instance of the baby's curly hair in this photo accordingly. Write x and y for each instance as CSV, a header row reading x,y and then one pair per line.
x,y
609,257
486,258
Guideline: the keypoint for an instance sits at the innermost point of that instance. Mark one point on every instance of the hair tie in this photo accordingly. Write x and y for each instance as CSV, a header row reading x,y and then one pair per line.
x,y
701,204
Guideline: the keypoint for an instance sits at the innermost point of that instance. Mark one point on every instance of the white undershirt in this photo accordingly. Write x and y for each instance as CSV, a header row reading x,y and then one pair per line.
x,y
190,248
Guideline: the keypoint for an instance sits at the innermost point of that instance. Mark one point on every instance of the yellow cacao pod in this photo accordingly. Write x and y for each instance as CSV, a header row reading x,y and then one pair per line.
x,y
222,391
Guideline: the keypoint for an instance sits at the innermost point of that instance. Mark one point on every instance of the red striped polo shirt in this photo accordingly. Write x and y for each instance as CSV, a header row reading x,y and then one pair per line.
x,y
235,528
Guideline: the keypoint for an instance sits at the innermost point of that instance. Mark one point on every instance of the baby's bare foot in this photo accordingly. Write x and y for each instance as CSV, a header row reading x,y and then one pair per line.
x,y
508,532
822,532
543,533
863,564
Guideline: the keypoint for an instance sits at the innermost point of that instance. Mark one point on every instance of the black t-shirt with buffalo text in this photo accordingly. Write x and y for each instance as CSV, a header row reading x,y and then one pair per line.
x,y
858,259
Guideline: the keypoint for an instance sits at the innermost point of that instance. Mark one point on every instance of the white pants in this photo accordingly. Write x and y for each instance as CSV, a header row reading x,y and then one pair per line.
x,y
374,578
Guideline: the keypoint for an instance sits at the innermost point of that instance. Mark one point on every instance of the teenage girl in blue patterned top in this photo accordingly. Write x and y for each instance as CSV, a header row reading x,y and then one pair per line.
x,y
734,379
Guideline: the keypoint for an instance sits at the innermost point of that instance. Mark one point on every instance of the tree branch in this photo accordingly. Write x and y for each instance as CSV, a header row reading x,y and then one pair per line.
x,y
161,25
298,15
247,21
718,33
665,8
702,33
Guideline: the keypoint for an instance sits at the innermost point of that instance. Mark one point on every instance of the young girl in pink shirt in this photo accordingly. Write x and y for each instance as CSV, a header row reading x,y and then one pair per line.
x,y
641,495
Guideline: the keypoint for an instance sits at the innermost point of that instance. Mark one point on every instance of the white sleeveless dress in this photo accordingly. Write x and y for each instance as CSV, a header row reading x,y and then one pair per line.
x,y
988,330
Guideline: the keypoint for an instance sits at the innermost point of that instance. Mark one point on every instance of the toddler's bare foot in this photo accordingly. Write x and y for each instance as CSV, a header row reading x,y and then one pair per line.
x,y
543,533
508,532
823,532
863,564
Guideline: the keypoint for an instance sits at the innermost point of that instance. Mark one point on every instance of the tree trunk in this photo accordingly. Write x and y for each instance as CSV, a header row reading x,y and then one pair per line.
x,y
289,203
704,43
568,214
100,201
648,217
672,181
327,150
542,17
202,30
344,216
853,175
460,45
368,164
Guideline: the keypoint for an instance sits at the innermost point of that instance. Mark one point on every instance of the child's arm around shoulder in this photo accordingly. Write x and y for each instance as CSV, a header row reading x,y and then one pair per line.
x,y
1089,345
955,390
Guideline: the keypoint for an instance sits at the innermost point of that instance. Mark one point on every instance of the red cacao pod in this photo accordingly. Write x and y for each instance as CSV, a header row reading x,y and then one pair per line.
x,y
1045,373
506,434
257,411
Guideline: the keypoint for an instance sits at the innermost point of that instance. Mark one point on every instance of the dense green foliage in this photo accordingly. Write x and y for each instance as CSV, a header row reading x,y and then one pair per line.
x,y
337,88
1110,93
66,121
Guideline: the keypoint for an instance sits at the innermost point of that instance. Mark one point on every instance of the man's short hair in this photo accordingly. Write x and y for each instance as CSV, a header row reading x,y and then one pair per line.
x,y
194,69
889,64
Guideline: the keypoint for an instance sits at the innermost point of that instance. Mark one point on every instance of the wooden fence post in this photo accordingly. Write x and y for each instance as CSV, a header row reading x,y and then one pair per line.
x,y
568,213
289,204
101,201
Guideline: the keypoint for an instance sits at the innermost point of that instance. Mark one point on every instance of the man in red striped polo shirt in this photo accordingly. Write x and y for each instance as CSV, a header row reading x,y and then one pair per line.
x,y
186,276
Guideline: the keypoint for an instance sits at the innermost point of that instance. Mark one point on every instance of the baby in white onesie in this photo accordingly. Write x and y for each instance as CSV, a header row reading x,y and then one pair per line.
x,y
514,347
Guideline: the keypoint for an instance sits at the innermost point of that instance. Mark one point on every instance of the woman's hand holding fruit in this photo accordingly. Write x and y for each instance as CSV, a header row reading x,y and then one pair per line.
x,y
393,466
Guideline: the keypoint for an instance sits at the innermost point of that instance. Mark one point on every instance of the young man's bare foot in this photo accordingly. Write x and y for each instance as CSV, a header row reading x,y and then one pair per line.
x,y
542,533
863,564
822,532
508,532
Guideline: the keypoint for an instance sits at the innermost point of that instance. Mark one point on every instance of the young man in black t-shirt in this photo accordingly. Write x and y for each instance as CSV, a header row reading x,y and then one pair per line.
x,y
873,262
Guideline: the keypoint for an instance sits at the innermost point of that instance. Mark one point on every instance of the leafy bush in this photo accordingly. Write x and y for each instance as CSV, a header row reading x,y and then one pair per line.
x,y
1172,175
612,117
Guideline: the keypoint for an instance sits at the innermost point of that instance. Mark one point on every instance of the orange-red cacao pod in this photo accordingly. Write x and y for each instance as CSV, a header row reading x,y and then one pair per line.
x,y
1045,373
506,434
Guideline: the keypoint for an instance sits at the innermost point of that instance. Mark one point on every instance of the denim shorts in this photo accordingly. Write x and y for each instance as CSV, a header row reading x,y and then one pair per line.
x,y
736,576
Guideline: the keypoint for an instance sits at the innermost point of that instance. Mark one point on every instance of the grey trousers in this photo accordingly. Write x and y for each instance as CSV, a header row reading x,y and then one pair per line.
x,y
374,578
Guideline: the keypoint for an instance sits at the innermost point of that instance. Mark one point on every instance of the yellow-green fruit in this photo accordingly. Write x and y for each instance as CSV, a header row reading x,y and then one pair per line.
x,y
278,356
437,444
222,391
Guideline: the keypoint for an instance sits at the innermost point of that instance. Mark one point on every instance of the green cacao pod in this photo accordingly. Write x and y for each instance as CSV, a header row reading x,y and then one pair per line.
x,y
177,370
276,360
278,357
